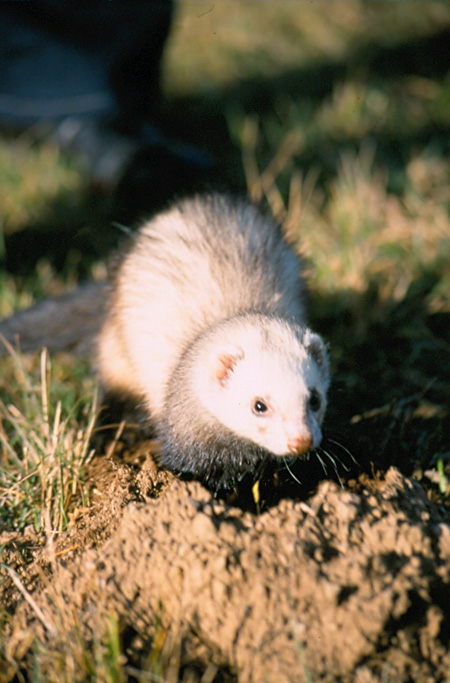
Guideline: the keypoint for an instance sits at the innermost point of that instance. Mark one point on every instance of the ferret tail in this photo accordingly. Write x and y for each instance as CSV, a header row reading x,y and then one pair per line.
x,y
69,322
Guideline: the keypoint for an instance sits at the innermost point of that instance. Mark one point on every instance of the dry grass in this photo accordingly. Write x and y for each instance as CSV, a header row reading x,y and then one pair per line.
x,y
361,232
45,431
44,441
64,654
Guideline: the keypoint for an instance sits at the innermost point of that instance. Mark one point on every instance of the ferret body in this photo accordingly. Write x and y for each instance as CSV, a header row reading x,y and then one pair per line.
x,y
206,331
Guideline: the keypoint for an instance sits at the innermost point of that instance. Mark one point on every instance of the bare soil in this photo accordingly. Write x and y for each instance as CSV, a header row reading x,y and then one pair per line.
x,y
349,584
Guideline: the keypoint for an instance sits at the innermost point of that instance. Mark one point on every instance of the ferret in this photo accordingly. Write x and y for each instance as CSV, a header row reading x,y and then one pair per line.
x,y
205,331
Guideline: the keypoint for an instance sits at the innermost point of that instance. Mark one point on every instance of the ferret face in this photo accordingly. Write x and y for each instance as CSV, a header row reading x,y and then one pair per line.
x,y
277,399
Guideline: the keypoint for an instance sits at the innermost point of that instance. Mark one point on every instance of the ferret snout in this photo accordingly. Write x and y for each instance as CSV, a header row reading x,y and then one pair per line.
x,y
301,444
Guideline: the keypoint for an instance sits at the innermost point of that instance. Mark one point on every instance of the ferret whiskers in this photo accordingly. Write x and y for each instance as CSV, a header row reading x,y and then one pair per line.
x,y
324,467
336,443
332,459
286,462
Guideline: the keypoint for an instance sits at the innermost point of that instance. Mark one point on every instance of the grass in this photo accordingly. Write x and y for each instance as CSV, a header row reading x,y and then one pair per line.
x,y
47,415
239,40
45,430
33,175
67,655
337,118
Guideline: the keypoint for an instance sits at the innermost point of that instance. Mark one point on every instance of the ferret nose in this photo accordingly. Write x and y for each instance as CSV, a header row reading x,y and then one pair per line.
x,y
301,444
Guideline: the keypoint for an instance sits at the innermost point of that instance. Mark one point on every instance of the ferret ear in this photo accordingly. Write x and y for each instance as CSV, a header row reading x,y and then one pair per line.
x,y
224,362
316,347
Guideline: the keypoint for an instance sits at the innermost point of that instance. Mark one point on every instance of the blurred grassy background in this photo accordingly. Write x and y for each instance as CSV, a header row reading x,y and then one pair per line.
x,y
337,115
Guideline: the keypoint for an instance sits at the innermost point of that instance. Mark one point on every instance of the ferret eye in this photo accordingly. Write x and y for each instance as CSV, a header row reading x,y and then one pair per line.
x,y
259,407
314,400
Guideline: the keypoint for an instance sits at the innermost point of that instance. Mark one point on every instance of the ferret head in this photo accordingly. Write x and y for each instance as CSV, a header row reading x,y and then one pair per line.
x,y
266,381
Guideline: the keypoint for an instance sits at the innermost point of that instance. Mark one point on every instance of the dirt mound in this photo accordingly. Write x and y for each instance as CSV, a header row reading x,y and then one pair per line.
x,y
349,586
